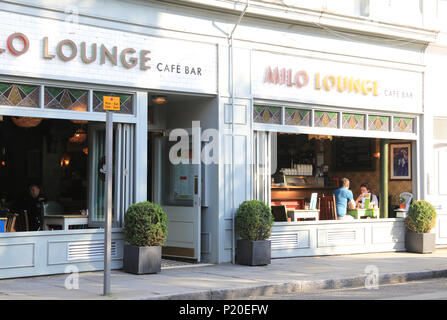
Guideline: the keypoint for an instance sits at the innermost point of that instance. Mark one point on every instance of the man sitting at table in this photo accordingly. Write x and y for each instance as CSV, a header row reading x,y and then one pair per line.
x,y
364,188
33,204
344,199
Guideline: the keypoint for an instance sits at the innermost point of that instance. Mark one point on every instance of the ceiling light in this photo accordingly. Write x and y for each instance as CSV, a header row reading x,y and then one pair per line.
x,y
159,99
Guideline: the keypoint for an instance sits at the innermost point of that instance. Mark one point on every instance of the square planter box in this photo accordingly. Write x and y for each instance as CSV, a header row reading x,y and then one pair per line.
x,y
253,253
141,260
420,242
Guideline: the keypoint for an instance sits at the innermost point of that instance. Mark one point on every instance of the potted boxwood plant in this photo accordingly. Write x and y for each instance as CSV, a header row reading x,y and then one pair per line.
x,y
420,220
145,231
253,223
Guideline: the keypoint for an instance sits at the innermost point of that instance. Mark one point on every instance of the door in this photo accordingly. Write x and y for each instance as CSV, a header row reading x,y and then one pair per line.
x,y
177,188
264,157
123,175
440,197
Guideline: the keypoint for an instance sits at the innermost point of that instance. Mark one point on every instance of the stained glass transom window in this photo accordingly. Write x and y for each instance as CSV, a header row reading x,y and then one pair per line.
x,y
19,95
265,114
403,124
297,117
67,99
353,121
126,102
378,123
325,119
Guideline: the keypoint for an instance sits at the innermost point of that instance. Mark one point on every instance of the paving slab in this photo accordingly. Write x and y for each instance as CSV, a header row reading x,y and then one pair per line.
x,y
229,281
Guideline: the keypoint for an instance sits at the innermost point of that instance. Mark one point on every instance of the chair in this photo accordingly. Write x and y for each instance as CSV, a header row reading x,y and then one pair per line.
x,y
408,197
279,213
11,222
22,221
328,210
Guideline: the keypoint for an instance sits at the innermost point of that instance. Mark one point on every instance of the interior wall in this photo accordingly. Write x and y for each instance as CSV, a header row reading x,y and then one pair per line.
x,y
395,187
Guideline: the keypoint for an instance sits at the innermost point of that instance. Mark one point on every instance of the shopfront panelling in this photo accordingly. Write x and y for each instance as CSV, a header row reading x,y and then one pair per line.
x,y
48,252
337,237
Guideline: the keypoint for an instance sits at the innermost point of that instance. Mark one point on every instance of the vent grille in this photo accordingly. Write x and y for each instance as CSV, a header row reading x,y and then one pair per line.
x,y
340,236
289,240
89,250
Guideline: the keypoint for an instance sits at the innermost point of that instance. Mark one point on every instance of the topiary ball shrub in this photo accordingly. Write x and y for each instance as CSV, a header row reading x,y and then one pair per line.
x,y
145,224
253,220
421,217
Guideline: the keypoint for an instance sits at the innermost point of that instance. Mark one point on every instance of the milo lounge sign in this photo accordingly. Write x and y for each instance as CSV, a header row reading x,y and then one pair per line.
x,y
46,48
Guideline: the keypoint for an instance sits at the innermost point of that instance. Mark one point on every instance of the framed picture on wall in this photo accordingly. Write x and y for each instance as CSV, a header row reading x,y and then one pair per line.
x,y
400,162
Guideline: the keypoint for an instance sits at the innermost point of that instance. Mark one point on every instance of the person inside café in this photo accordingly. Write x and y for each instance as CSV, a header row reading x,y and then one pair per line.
x,y
344,200
33,204
364,188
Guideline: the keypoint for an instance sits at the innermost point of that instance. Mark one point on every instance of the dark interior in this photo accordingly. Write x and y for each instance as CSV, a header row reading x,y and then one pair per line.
x,y
52,155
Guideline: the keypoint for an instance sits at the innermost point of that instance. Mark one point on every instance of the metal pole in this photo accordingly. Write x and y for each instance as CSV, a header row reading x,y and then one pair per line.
x,y
384,178
108,218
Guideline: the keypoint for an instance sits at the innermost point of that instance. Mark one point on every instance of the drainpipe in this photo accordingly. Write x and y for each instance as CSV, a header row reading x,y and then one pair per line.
x,y
231,84
384,178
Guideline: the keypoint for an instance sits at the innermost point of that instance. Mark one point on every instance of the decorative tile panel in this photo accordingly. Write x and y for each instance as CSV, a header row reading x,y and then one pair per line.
x,y
265,114
353,121
297,117
66,99
379,123
19,95
403,125
126,101
325,119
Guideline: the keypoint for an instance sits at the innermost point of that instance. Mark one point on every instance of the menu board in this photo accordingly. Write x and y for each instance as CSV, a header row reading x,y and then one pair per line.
x,y
353,154
366,199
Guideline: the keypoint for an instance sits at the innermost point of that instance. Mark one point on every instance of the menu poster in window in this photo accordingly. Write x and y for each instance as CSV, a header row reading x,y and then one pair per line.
x,y
313,201
183,182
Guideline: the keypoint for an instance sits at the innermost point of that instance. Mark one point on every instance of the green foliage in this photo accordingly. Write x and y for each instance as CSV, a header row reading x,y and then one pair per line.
x,y
421,217
253,220
145,224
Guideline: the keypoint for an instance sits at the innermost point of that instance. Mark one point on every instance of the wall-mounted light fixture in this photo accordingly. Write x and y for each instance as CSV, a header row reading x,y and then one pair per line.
x,y
65,161
159,99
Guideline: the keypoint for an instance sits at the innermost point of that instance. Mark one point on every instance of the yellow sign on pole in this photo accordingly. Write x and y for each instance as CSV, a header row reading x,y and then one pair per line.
x,y
111,103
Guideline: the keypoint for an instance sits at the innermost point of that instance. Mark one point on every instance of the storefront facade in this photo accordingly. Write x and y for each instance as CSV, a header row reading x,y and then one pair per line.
x,y
341,99
326,83
57,66
247,77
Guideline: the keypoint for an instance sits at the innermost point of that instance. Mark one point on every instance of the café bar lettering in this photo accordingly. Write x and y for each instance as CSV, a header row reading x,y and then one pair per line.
x,y
300,79
66,50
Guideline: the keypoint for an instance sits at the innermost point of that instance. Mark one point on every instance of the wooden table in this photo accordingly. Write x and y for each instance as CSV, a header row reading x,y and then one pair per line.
x,y
64,220
303,214
359,213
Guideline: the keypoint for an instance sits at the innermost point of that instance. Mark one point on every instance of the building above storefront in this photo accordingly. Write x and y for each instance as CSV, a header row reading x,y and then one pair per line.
x,y
416,20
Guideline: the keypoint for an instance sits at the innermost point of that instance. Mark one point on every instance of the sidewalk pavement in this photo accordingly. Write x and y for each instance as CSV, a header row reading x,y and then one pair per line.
x,y
228,281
